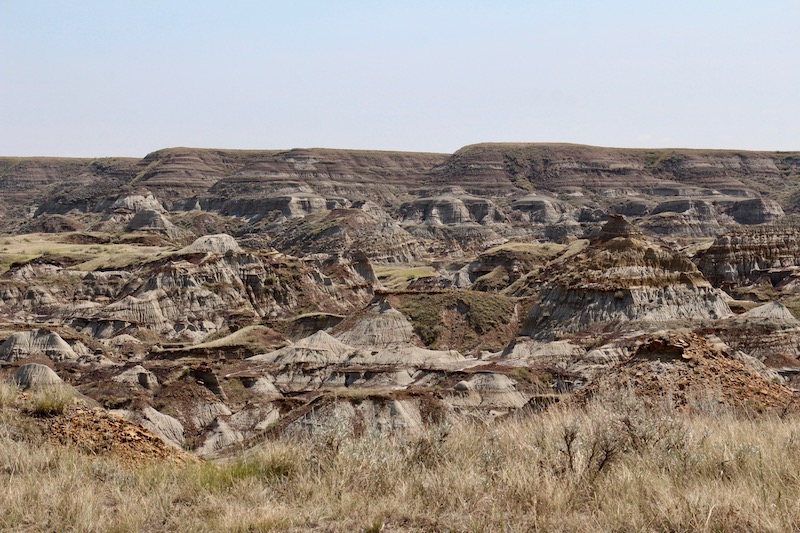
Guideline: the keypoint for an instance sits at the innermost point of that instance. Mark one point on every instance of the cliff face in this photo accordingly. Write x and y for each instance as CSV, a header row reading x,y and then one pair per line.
x,y
619,171
484,170
744,255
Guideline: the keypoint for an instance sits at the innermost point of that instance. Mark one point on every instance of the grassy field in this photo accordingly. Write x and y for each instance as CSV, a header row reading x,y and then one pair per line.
x,y
17,248
610,466
397,277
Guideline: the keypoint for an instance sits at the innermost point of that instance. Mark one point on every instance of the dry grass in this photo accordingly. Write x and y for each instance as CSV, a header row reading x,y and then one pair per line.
x,y
17,248
611,466
8,393
50,401
397,277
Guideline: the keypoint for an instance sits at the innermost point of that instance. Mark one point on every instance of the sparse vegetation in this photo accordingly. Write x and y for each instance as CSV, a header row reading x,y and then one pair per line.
x,y
397,277
8,394
50,401
85,257
483,313
613,464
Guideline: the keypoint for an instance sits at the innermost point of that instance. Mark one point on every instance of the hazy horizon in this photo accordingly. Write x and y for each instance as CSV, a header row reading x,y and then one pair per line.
x,y
128,78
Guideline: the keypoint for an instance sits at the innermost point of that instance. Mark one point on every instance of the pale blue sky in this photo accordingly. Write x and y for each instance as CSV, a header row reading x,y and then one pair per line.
x,y
95,78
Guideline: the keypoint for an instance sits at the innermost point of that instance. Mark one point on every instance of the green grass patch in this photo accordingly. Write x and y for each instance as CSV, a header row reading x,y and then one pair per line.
x,y
483,312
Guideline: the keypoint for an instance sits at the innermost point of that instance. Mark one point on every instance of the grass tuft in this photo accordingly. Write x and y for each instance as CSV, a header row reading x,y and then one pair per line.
x,y
50,401
8,394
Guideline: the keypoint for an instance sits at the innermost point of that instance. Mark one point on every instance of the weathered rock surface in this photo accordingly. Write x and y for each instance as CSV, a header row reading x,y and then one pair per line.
x,y
744,255
451,210
620,278
350,232
138,376
218,244
685,369
150,220
769,332
39,342
756,211
378,326
417,288
34,375
319,349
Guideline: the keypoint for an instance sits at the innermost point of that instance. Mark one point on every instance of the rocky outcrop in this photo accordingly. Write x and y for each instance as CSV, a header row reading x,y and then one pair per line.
x,y
377,327
490,391
219,436
384,416
296,246
218,244
354,232
682,368
744,255
165,427
619,279
497,268
451,210
546,184
614,172
319,349
153,221
539,209
756,211
281,207
180,296
34,375
133,204
769,332
138,376
685,216
39,342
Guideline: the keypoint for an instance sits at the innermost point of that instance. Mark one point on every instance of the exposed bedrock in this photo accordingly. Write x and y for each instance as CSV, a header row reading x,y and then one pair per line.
x,y
769,332
620,278
132,203
153,221
570,310
365,231
617,171
685,216
294,205
756,211
540,209
378,326
44,342
187,295
743,255
451,210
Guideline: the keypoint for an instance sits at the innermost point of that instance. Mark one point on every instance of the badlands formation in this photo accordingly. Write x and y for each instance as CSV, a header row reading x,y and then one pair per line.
x,y
212,299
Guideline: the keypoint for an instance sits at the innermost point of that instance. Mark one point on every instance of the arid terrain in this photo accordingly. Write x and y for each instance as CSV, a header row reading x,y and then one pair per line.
x,y
512,336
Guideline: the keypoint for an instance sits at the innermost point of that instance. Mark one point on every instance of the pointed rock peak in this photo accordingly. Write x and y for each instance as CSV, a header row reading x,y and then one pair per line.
x,y
617,226
321,339
774,311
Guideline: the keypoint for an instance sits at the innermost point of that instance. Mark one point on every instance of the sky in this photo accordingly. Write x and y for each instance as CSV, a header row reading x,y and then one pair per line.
x,y
114,77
